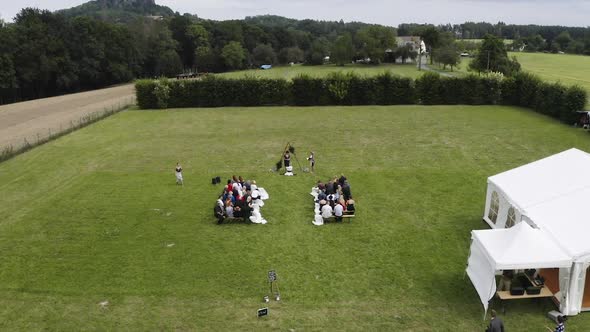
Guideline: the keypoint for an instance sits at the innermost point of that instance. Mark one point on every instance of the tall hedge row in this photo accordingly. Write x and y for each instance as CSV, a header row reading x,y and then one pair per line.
x,y
523,89
350,89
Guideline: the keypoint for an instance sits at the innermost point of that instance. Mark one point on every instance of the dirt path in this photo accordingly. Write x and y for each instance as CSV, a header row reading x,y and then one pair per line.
x,y
35,119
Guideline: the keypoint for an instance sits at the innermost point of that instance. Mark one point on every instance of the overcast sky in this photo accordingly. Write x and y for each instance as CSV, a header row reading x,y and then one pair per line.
x,y
387,12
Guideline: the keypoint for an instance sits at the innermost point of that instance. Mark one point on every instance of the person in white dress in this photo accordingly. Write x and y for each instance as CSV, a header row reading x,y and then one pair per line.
x,y
255,205
178,172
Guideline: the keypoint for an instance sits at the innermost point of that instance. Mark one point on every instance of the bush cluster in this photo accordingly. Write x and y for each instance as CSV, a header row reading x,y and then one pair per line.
x,y
522,89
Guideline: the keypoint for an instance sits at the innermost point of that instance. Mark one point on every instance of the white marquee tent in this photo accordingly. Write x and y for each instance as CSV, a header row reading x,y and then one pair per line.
x,y
551,197
519,247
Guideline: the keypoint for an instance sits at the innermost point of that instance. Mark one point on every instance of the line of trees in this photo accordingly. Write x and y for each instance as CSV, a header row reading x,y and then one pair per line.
x,y
44,53
530,38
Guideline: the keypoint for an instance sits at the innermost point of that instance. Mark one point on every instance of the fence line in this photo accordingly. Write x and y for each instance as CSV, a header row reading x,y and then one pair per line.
x,y
9,152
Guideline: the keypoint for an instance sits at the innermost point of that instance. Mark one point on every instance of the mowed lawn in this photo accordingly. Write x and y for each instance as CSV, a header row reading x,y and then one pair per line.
x,y
289,72
95,216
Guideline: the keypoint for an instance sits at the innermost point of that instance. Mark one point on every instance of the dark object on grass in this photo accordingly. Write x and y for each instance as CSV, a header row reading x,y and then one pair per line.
x,y
291,149
279,164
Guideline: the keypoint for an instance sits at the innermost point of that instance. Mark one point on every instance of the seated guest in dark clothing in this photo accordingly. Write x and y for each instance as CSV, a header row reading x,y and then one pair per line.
x,y
342,180
322,196
240,208
321,186
346,191
330,188
238,211
246,209
350,205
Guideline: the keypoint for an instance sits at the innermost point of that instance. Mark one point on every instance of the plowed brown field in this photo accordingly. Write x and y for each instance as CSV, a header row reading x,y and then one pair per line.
x,y
31,120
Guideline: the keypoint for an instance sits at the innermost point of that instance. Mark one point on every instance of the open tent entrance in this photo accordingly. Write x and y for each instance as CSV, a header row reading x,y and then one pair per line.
x,y
517,248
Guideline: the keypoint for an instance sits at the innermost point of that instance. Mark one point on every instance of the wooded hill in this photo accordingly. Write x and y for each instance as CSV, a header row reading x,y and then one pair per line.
x,y
118,10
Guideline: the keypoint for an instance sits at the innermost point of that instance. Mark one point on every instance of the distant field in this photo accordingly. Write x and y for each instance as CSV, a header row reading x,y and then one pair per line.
x,y
476,40
95,217
288,72
565,68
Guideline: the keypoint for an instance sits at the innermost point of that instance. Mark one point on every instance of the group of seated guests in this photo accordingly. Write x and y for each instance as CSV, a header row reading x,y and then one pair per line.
x,y
240,199
332,199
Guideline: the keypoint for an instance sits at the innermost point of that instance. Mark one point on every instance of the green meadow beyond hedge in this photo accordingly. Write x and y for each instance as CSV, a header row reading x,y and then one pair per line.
x,y
524,89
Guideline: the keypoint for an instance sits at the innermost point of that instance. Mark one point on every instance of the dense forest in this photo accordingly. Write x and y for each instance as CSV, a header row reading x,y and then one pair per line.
x,y
105,42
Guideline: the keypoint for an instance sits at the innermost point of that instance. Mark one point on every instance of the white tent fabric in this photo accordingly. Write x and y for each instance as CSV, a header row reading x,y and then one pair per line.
x,y
545,179
567,219
519,247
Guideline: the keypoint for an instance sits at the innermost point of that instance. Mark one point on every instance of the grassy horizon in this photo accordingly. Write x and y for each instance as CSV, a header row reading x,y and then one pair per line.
x,y
289,72
95,216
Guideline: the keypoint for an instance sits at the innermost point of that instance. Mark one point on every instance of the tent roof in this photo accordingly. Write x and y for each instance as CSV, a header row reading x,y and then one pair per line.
x,y
566,219
520,247
545,179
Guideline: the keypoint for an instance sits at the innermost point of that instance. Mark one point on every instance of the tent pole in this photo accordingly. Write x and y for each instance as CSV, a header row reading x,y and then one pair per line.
x,y
490,300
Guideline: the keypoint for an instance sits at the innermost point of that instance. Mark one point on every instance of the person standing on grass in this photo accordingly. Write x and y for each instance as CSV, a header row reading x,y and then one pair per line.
x,y
560,325
496,324
287,159
179,174
311,159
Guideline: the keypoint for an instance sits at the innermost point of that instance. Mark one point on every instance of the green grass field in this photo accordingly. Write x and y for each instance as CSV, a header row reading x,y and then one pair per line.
x,y
565,68
289,72
95,216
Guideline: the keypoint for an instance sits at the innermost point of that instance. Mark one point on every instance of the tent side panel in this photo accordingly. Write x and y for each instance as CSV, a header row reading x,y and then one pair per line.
x,y
482,274
575,292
